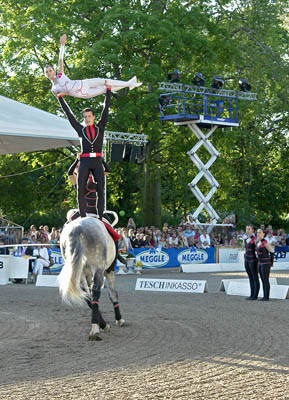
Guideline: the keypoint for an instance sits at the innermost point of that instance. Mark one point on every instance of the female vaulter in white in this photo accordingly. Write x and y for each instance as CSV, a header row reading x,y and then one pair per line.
x,y
85,88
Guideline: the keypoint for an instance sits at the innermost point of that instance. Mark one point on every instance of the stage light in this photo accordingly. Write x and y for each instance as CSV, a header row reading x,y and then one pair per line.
x,y
198,80
217,82
174,77
244,86
165,100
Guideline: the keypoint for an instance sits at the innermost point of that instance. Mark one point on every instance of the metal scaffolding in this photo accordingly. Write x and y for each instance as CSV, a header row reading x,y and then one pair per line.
x,y
180,87
206,108
120,138
125,138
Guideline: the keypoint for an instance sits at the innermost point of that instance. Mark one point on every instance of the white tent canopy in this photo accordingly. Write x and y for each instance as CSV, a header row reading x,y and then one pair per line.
x,y
24,128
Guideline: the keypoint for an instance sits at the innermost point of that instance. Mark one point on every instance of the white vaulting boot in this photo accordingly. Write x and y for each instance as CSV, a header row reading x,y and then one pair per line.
x,y
133,83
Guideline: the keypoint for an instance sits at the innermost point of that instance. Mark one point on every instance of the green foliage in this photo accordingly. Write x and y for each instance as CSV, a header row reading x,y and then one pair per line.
x,y
120,39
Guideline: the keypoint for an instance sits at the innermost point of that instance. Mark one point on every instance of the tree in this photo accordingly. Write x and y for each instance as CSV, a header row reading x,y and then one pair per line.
x,y
120,39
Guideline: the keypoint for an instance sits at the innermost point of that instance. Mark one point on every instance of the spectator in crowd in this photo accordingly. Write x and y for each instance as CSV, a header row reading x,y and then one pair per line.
x,y
137,241
270,238
233,241
163,242
196,243
33,237
128,242
189,234
150,239
157,235
205,237
242,235
146,240
131,235
3,250
33,230
42,259
183,240
173,240
53,230
25,250
46,232
54,238
43,236
197,234
122,242
205,245
57,235
131,224
270,229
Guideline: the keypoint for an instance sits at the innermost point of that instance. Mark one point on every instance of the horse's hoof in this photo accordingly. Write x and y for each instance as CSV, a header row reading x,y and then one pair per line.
x,y
106,328
94,337
120,322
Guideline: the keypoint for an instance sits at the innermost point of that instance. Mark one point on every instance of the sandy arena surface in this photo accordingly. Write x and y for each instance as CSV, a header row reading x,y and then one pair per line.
x,y
175,346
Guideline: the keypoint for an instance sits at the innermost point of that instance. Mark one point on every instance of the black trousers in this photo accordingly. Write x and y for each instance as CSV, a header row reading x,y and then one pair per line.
x,y
264,271
87,165
252,271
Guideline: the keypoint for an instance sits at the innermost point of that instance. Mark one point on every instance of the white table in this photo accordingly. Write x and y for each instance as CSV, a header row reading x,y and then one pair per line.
x,y
13,268
19,267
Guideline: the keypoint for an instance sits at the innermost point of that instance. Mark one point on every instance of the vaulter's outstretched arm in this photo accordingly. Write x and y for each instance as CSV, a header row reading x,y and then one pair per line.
x,y
73,121
61,53
104,115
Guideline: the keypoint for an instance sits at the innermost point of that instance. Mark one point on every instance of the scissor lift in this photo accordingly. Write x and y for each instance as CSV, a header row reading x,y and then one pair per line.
x,y
201,108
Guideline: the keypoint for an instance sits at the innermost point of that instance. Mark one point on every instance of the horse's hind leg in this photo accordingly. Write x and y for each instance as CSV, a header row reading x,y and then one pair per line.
x,y
97,320
113,295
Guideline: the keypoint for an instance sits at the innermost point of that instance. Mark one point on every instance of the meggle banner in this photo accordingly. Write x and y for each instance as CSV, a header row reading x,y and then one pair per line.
x,y
164,258
158,258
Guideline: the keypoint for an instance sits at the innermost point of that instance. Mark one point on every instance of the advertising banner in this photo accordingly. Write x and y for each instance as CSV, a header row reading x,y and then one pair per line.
x,y
282,253
165,258
157,258
171,285
228,255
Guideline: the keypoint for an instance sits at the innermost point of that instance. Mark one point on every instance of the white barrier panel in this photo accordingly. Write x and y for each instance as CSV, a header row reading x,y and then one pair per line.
x,y
278,266
4,269
47,280
243,289
19,267
171,285
225,283
228,255
189,268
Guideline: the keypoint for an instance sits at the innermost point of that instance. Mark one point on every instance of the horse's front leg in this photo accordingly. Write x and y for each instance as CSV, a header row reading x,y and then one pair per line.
x,y
113,295
97,320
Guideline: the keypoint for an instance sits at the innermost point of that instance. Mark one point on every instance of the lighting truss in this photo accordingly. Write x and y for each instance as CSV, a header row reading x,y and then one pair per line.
x,y
180,87
126,138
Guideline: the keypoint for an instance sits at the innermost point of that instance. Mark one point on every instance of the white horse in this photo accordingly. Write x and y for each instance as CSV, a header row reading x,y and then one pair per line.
x,y
89,254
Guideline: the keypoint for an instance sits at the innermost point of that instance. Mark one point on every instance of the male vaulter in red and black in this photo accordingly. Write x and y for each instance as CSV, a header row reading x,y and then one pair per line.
x,y
91,139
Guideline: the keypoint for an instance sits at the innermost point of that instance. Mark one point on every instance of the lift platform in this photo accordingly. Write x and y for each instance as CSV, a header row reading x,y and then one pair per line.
x,y
201,108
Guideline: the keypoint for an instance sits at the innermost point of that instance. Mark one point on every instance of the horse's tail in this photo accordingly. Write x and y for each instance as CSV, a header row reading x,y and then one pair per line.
x,y
69,277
